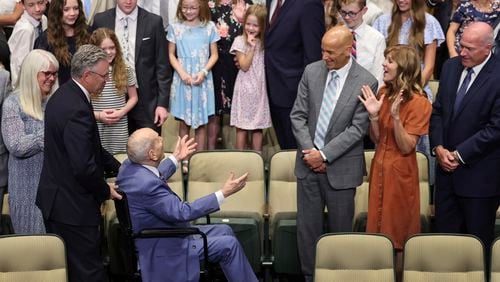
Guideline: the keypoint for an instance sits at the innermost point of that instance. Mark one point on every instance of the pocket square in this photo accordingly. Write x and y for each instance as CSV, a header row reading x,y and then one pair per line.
x,y
146,38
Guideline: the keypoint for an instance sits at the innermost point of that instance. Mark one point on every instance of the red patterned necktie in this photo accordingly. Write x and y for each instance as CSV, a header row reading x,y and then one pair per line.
x,y
353,50
276,11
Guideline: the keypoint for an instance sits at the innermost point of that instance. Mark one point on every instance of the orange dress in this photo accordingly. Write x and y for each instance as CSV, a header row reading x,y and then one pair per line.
x,y
394,203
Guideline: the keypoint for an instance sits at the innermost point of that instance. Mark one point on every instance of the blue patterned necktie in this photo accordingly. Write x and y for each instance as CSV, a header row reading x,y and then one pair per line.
x,y
462,91
325,112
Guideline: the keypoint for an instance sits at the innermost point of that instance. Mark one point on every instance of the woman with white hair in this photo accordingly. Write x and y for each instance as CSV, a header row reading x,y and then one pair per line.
x,y
23,134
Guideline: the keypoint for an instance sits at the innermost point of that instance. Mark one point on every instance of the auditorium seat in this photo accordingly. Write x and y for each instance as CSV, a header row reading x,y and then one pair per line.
x,y
25,258
443,258
354,257
243,211
495,261
282,201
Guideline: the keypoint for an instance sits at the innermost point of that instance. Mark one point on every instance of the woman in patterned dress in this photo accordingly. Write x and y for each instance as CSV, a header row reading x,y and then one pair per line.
x,y
23,133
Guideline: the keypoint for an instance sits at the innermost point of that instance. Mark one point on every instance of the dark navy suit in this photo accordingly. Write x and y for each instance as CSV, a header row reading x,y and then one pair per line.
x,y
292,42
154,205
466,200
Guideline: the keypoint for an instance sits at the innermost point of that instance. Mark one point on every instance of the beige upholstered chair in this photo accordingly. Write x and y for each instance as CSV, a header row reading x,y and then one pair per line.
x,y
32,258
443,258
434,85
361,197
243,211
354,257
495,261
282,200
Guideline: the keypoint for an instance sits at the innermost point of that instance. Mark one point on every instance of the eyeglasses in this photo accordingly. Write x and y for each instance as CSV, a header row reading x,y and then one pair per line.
x,y
187,9
103,76
48,74
350,14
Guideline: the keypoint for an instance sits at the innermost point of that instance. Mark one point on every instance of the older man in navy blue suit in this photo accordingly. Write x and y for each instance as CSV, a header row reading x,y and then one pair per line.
x,y
293,40
154,205
465,135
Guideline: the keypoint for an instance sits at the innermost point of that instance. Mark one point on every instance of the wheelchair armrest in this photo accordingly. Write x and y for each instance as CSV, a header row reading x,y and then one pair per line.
x,y
167,232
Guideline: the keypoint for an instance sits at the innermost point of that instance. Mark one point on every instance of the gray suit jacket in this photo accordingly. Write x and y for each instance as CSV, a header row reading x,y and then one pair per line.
x,y
348,125
4,155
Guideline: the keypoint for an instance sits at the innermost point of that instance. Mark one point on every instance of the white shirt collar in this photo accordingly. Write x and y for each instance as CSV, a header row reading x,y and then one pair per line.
x,y
343,71
360,29
32,20
87,94
132,16
152,169
479,67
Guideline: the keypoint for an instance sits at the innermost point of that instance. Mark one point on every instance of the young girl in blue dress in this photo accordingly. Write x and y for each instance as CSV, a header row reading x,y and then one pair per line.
x,y
192,51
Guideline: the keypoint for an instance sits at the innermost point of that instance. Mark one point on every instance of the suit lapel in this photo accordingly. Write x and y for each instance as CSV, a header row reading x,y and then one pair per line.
x,y
474,89
319,87
139,32
284,9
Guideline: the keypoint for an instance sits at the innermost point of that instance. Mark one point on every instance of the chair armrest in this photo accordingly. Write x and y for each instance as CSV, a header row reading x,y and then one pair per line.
x,y
167,232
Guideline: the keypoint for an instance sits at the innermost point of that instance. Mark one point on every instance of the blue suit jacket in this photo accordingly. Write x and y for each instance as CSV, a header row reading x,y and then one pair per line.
x,y
292,42
474,130
154,205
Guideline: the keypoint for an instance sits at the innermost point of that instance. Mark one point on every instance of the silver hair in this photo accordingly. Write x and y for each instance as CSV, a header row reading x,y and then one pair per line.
x,y
86,58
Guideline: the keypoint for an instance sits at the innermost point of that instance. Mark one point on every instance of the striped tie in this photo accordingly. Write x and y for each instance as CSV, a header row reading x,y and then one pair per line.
x,y
462,91
353,50
325,113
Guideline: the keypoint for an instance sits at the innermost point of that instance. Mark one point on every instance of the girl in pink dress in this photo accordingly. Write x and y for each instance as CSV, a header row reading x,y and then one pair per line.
x,y
250,107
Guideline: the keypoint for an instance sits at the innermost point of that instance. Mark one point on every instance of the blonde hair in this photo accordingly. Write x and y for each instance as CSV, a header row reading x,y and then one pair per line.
x,y
30,96
120,74
260,12
408,77
204,12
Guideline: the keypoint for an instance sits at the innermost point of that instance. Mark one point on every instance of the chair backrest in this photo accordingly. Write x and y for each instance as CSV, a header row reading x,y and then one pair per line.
x,y
495,261
32,258
443,257
361,197
282,187
434,85
354,257
208,171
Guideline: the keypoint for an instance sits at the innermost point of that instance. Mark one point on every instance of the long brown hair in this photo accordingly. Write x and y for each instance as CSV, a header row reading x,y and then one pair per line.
x,y
416,36
55,31
408,78
120,74
260,12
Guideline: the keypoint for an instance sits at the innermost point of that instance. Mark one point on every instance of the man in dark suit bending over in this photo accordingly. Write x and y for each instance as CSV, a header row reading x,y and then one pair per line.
x,y
72,185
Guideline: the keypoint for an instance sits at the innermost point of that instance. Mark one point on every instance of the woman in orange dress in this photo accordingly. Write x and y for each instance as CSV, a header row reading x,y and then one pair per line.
x,y
399,114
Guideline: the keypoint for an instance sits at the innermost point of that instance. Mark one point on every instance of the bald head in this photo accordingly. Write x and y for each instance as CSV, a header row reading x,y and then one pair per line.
x,y
336,47
141,144
475,44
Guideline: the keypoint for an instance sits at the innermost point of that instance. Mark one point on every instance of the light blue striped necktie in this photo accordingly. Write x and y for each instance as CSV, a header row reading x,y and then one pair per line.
x,y
325,112
87,4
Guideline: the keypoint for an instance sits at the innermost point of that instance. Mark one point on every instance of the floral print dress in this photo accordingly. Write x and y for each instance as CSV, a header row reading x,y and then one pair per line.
x,y
192,103
225,71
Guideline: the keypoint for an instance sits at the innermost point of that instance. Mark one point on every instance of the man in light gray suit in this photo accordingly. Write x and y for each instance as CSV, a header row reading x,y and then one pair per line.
x,y
329,124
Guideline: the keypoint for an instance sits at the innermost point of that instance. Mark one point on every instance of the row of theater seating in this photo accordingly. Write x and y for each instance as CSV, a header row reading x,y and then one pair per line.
x,y
263,214
426,257
339,257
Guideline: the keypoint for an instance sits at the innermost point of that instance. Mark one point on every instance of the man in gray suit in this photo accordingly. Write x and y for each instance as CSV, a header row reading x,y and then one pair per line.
x,y
329,124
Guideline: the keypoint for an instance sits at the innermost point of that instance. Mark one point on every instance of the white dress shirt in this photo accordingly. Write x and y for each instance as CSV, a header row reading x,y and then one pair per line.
x,y
370,46
158,7
87,94
22,40
132,31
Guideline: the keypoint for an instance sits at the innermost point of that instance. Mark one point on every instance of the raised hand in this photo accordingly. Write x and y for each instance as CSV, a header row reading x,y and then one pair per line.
x,y
184,148
396,104
370,101
234,185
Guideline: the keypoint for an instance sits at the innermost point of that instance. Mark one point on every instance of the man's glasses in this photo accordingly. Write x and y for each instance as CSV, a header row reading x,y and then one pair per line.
x,y
350,14
103,76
